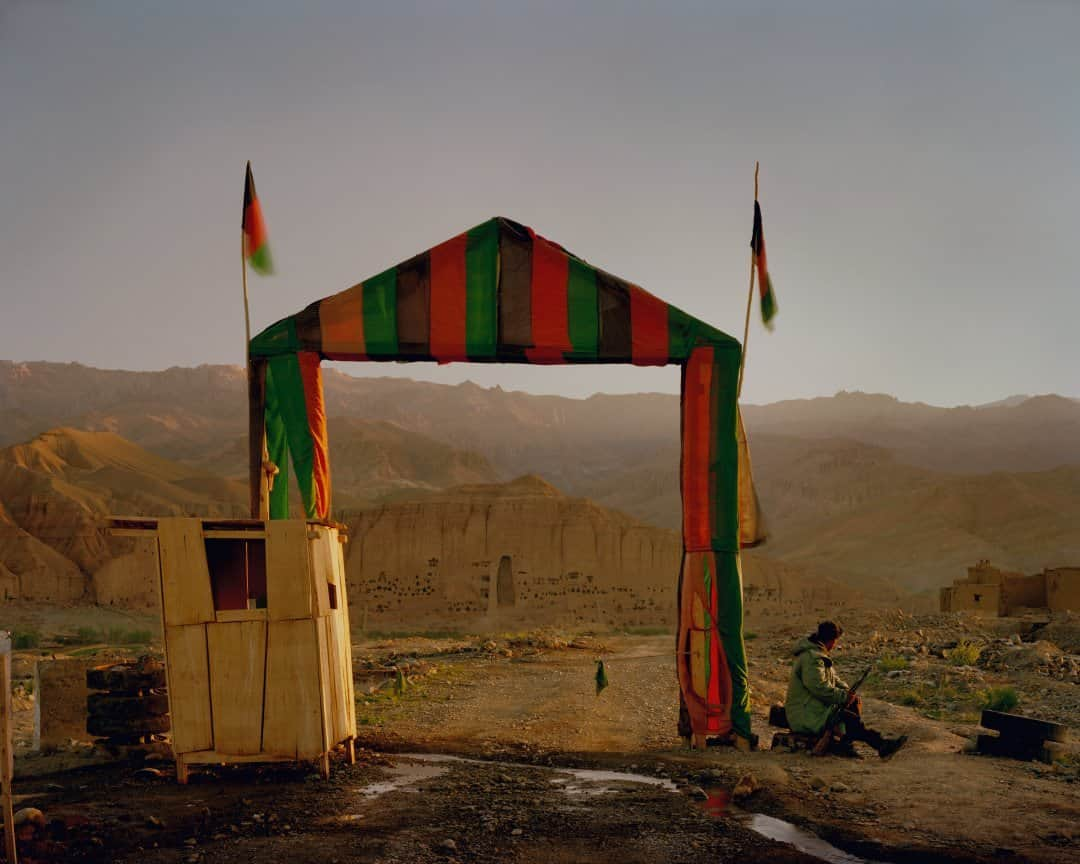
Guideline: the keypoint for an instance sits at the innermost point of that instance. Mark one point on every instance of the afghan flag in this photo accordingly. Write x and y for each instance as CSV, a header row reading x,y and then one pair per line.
x,y
256,248
757,246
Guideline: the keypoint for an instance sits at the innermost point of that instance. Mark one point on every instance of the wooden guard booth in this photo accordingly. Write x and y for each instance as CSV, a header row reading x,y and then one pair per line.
x,y
255,619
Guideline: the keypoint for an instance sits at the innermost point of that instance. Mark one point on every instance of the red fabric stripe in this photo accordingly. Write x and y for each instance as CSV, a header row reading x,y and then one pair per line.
x,y
550,319
649,323
448,300
762,265
254,228
311,375
695,453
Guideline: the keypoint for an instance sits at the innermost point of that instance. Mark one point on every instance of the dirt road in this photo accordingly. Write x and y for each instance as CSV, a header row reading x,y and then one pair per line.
x,y
930,799
523,713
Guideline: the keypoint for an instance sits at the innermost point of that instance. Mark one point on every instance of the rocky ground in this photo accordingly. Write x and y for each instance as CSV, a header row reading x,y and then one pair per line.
x,y
521,711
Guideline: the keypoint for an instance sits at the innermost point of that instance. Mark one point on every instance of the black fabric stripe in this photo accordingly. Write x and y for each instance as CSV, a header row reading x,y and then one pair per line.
x,y
308,329
515,288
249,189
414,308
613,299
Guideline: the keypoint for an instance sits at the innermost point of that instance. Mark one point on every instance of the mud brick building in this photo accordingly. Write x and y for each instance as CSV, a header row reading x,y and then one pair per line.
x,y
990,591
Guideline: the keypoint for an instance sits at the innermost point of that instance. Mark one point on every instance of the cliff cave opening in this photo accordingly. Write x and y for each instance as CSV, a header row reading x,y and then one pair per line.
x,y
504,586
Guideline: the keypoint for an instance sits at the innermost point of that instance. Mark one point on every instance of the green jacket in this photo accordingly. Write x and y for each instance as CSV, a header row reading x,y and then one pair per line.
x,y
813,689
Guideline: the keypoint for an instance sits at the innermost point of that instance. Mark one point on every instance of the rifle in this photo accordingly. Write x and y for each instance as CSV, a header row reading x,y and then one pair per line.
x,y
822,744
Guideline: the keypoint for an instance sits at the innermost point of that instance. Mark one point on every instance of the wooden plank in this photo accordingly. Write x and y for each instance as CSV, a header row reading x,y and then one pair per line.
x,y
222,534
185,579
338,689
237,666
7,749
345,642
325,694
216,757
225,616
292,721
188,672
288,581
322,568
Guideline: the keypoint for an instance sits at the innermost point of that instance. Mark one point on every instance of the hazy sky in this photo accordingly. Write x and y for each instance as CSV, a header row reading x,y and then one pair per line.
x,y
920,174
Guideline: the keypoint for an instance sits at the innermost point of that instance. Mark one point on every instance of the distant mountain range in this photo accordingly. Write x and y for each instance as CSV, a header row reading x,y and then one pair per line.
x,y
886,495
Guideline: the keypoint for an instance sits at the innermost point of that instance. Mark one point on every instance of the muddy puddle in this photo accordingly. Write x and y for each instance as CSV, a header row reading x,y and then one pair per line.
x,y
718,805
406,776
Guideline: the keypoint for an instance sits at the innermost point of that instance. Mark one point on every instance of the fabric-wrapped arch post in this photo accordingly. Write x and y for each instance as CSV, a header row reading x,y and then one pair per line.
x,y
502,293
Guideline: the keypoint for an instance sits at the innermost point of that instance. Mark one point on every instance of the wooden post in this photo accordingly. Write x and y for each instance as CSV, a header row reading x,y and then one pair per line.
x,y
7,756
257,477
749,298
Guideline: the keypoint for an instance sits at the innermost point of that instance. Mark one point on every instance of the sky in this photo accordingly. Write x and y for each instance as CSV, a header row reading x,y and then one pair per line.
x,y
920,175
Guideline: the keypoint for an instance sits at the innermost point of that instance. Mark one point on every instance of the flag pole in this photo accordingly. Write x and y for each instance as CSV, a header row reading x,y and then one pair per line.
x,y
749,297
254,491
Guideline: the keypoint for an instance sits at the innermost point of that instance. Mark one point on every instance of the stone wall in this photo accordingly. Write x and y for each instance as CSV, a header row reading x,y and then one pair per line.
x,y
1063,589
60,706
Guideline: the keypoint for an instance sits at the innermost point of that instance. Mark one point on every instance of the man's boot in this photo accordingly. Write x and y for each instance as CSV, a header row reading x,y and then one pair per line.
x,y
890,745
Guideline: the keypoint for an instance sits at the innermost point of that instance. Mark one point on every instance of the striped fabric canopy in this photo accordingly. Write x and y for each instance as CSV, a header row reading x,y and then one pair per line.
x,y
497,293
501,293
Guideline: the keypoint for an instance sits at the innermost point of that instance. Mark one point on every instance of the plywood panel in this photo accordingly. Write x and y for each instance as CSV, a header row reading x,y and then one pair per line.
x,y
344,641
185,580
292,721
288,584
322,566
237,664
189,688
325,691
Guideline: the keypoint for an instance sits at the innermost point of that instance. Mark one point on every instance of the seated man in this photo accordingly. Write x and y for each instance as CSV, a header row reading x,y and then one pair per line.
x,y
814,690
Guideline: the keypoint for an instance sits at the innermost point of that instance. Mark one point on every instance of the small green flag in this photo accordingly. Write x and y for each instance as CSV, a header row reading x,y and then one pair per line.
x,y
601,676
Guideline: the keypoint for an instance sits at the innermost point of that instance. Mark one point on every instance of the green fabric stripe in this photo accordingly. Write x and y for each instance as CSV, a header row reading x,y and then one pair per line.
x,y
768,301
283,376
278,449
278,338
481,277
581,305
260,260
730,624
685,333
724,451
724,485
380,314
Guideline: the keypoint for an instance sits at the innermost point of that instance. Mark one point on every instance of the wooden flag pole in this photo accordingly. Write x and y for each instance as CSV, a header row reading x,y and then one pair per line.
x,y
749,298
7,756
254,470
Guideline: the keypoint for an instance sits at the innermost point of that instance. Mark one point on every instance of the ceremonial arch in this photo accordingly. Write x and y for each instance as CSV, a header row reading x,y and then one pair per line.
x,y
500,293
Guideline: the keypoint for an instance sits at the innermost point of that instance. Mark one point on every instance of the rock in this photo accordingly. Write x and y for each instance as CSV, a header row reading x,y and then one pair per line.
x,y
817,782
747,786
446,846
28,822
517,832
148,774
154,822
840,787
698,793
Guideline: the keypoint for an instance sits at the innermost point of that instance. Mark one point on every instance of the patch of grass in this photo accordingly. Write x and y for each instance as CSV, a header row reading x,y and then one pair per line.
x,y
892,663
964,654
376,635
647,631
1003,698
23,639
